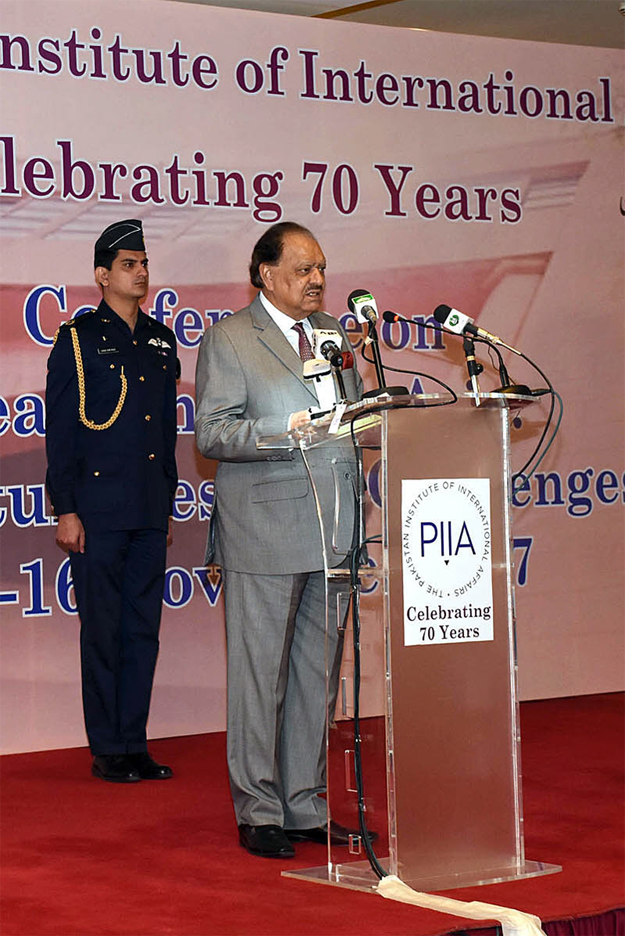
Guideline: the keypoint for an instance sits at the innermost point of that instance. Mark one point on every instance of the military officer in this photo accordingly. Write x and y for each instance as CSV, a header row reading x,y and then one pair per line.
x,y
110,442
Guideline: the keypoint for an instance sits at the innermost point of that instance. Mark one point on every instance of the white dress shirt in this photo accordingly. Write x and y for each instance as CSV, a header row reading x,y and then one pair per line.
x,y
323,387
285,323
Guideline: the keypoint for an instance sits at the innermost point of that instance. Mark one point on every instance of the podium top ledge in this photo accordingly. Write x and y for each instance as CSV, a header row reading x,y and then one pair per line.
x,y
366,413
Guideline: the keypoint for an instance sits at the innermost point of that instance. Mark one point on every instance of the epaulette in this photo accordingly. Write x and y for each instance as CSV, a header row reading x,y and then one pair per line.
x,y
73,322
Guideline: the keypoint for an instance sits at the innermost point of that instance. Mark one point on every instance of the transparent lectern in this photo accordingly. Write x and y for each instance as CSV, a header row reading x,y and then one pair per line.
x,y
439,723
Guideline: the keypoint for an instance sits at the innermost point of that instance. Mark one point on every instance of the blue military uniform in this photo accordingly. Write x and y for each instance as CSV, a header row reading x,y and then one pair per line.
x,y
110,440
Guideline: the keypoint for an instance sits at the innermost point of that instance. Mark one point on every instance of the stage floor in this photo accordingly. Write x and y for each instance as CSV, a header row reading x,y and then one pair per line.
x,y
83,858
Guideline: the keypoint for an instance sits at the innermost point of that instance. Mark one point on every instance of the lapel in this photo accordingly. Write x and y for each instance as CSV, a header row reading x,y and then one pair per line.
x,y
273,339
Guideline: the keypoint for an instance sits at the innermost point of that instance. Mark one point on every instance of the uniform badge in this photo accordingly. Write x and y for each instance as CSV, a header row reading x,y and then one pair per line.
x,y
159,343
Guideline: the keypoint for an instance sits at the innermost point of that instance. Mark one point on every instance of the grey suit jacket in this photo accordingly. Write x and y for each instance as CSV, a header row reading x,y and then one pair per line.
x,y
248,381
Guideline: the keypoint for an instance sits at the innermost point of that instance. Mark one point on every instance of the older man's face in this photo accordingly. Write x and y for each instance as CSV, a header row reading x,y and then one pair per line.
x,y
296,283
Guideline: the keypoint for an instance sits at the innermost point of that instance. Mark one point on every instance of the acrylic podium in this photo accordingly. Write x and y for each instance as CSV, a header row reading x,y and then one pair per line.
x,y
439,721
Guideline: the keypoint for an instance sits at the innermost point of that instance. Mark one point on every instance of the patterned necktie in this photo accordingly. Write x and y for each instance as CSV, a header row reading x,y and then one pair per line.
x,y
305,351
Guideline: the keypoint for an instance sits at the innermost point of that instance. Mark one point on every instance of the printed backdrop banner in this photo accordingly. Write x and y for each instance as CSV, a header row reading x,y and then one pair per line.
x,y
481,173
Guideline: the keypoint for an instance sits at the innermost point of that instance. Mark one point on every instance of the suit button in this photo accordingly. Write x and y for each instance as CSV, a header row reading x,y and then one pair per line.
x,y
96,474
135,342
164,366
151,456
147,417
112,366
141,379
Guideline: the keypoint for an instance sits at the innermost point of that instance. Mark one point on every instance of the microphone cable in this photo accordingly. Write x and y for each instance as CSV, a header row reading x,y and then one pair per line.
x,y
537,454
549,389
355,565
401,370
356,561
537,450
526,477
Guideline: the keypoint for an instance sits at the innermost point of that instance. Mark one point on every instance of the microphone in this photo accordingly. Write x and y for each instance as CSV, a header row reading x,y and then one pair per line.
x,y
331,353
326,345
443,311
474,368
319,370
337,358
462,324
316,368
392,317
362,304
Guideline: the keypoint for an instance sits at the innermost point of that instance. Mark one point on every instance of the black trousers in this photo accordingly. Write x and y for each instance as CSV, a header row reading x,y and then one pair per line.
x,y
118,582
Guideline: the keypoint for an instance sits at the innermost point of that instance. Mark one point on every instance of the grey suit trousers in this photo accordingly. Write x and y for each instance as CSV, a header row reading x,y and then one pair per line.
x,y
276,712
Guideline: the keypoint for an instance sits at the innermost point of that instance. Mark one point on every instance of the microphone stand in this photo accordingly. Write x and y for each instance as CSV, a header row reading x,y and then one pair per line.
x,y
474,367
379,369
506,384
336,362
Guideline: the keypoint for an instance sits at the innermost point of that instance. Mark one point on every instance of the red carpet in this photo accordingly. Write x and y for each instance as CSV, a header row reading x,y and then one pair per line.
x,y
85,858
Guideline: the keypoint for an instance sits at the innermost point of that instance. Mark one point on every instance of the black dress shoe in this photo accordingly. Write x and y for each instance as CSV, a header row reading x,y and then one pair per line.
x,y
267,841
339,835
147,768
116,768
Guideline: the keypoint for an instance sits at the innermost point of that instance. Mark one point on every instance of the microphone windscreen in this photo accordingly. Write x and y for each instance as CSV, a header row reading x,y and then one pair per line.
x,y
389,316
354,294
441,312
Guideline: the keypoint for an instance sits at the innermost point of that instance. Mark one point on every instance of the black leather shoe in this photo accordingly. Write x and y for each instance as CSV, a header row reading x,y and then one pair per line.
x,y
267,841
116,768
339,835
147,768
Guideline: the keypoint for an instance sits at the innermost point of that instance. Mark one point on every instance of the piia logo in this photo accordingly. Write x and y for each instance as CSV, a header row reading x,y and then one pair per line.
x,y
446,534
447,564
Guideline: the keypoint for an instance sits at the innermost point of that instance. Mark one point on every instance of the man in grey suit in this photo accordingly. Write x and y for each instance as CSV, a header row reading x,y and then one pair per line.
x,y
265,535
